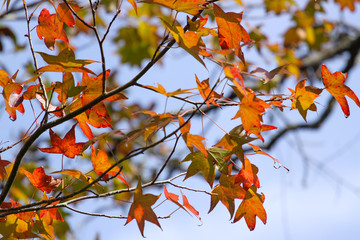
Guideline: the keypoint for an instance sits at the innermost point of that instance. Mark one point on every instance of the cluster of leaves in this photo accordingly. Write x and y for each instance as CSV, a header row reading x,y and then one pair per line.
x,y
82,101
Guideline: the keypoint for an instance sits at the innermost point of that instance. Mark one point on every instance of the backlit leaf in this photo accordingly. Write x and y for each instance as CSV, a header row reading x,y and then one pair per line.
x,y
200,163
230,31
188,6
42,181
141,209
303,98
3,164
100,161
250,208
66,146
334,84
226,192
64,62
50,28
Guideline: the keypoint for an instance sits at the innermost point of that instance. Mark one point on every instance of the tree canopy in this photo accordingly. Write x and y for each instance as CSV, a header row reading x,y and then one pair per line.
x,y
89,118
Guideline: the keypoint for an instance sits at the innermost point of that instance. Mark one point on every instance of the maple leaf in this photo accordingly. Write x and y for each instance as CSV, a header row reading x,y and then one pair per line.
x,y
64,62
15,228
226,191
66,146
247,175
65,14
67,88
12,94
91,118
42,181
50,108
93,90
250,112
3,164
156,122
190,41
189,6
334,84
100,161
230,31
250,208
160,89
206,92
48,215
141,209
303,98
50,28
219,157
191,140
234,141
200,163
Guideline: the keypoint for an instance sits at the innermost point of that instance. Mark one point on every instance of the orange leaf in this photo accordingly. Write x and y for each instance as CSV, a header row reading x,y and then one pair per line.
x,y
91,118
50,28
334,84
48,215
189,206
133,3
247,175
226,191
101,163
190,139
234,141
173,198
189,6
250,208
160,89
230,32
251,111
66,146
206,92
3,164
12,94
25,216
347,3
94,89
65,14
190,41
141,209
42,181
303,98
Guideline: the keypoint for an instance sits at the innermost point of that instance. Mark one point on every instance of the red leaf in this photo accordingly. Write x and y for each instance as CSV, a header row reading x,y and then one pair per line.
x,y
66,146
141,209
334,84
50,28
42,181
189,206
